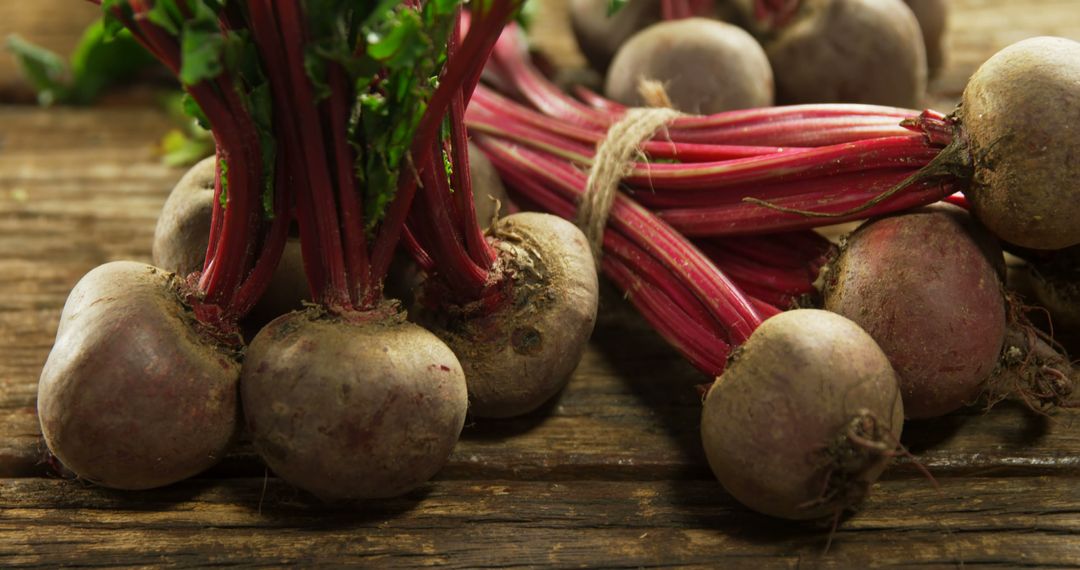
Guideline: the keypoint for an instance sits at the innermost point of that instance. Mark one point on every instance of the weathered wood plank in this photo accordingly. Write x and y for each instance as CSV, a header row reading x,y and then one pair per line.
x,y
1031,522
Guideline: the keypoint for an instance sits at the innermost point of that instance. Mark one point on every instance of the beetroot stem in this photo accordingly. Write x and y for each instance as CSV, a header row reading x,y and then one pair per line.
x,y
309,134
357,265
704,351
478,248
258,280
416,252
489,114
240,151
474,50
781,280
662,298
745,218
616,244
794,250
710,286
237,265
264,30
461,273
510,61
679,9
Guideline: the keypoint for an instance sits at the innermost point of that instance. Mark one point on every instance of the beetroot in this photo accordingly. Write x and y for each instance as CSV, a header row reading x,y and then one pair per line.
x,y
705,66
941,324
352,406
498,301
849,409
692,305
521,353
134,395
139,389
857,51
805,418
929,291
346,400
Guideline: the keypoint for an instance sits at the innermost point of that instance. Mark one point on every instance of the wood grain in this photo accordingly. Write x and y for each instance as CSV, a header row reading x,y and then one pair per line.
x,y
462,524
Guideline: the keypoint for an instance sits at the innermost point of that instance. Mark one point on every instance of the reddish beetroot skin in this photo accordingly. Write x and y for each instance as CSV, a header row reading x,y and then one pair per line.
x,y
132,396
353,406
930,295
805,418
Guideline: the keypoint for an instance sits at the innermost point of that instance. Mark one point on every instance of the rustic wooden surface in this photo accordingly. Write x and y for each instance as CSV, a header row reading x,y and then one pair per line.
x,y
611,474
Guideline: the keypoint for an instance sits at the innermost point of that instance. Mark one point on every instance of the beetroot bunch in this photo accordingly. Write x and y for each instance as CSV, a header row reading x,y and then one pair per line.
x,y
346,126
708,238
343,124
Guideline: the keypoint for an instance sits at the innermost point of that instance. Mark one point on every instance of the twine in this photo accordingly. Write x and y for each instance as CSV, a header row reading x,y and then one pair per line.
x,y
614,161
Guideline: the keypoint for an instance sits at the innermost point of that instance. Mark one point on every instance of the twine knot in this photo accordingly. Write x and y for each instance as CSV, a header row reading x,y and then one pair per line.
x,y
614,161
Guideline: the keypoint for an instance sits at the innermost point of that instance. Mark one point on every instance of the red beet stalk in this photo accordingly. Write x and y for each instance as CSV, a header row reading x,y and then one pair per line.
x,y
832,123
450,239
774,14
685,296
791,189
344,270
678,9
734,173
245,243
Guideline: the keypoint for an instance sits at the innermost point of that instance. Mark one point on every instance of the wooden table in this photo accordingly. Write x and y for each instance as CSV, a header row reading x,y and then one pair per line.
x,y
611,474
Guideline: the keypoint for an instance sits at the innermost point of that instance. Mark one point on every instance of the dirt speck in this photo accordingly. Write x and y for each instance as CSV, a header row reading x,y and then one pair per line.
x,y
527,340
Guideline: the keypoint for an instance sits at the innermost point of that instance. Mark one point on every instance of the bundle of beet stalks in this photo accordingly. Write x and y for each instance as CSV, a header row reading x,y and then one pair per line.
x,y
745,185
707,224
344,123
735,183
